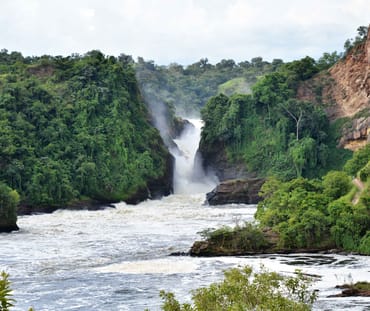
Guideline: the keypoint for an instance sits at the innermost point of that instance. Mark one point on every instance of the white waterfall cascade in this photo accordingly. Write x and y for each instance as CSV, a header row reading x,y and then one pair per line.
x,y
189,177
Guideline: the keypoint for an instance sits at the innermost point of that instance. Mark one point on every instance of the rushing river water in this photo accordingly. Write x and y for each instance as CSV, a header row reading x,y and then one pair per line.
x,y
117,258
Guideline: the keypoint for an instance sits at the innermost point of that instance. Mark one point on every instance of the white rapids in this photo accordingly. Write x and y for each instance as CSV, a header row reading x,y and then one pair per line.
x,y
118,258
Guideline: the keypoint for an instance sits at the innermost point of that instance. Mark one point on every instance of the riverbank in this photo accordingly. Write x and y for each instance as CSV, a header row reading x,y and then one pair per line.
x,y
90,205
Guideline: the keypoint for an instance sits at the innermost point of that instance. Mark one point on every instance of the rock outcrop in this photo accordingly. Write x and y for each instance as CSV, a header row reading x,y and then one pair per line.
x,y
357,135
236,191
237,242
214,160
345,91
8,227
360,289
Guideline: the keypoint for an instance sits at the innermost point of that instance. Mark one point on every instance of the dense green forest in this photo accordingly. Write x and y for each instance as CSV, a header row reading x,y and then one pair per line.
x,y
332,212
185,90
76,128
309,199
271,131
326,213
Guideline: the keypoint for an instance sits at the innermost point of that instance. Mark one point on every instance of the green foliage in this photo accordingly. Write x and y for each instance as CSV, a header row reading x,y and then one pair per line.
x,y
360,159
271,131
336,184
187,89
245,238
235,86
327,60
351,43
74,127
272,135
296,210
365,172
6,302
244,290
9,200
364,247
316,214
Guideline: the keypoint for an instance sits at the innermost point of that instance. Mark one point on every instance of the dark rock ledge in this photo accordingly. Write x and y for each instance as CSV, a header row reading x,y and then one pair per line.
x,y
359,289
236,191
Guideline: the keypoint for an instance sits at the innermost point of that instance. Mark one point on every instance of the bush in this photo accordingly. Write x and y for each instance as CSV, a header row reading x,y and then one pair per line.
x,y
9,200
336,184
244,290
364,247
6,302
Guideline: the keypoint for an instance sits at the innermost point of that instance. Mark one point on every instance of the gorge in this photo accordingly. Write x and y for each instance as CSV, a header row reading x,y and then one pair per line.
x,y
79,131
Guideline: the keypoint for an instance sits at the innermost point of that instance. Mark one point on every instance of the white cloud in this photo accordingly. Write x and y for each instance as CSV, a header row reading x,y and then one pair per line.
x,y
181,31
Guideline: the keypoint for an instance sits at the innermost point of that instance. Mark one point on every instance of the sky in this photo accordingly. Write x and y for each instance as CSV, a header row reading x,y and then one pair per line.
x,y
181,31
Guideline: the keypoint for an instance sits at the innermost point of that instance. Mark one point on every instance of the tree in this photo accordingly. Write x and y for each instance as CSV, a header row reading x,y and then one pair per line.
x,y
244,290
336,184
9,200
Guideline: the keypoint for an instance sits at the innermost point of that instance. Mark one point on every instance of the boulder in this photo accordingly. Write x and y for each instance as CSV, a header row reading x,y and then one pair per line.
x,y
8,227
236,191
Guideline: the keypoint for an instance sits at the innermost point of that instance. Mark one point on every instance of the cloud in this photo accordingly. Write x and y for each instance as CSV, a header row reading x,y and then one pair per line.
x,y
181,31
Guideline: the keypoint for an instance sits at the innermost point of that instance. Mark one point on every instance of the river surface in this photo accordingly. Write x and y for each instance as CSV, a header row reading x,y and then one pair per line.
x,y
118,258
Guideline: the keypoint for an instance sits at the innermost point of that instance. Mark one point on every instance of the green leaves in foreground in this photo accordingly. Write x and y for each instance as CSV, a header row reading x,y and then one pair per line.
x,y
244,290
6,301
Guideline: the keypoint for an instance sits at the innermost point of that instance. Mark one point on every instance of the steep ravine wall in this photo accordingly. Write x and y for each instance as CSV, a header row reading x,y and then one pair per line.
x,y
345,91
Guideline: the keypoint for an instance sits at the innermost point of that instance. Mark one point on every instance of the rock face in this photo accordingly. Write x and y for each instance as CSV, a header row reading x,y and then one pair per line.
x,y
344,90
359,289
214,160
357,135
236,191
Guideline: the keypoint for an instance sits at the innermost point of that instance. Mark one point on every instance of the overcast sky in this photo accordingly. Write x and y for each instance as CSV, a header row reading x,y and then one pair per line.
x,y
181,31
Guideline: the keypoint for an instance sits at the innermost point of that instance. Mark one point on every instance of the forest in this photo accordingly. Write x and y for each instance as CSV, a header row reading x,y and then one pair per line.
x,y
316,195
74,129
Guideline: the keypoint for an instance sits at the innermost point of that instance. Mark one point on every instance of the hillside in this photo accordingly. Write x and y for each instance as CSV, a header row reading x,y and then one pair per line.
x,y
75,129
344,89
294,119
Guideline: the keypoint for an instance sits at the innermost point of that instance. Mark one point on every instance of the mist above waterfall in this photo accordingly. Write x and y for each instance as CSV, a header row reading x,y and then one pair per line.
x,y
189,176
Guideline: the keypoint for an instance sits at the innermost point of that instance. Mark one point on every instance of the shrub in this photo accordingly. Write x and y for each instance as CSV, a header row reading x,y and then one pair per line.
x,y
244,290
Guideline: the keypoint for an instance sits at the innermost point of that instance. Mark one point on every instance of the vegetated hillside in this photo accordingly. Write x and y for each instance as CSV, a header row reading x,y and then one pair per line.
x,y
344,90
303,215
75,128
285,127
185,90
270,132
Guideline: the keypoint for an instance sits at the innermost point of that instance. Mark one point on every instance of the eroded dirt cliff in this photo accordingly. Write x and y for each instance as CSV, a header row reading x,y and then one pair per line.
x,y
345,91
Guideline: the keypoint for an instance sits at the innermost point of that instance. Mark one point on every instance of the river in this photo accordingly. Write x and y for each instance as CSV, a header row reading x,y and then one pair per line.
x,y
117,258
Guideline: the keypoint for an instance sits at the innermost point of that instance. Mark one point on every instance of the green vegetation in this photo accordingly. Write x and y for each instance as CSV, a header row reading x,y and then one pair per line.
x,y
6,300
270,131
319,213
75,128
247,238
302,214
187,89
9,200
244,290
235,86
352,44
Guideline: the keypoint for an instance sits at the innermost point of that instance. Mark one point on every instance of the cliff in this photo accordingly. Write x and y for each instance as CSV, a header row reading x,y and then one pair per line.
x,y
345,91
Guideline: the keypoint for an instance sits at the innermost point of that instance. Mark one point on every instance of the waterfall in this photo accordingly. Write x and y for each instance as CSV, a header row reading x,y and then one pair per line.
x,y
189,177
